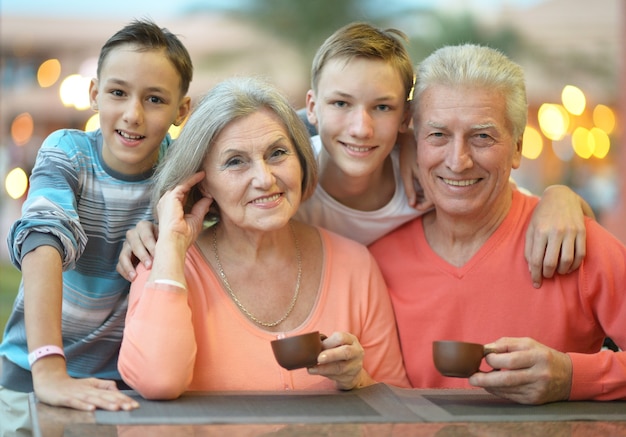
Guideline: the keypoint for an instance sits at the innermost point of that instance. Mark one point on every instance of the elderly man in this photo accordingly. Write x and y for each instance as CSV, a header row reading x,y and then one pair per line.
x,y
457,272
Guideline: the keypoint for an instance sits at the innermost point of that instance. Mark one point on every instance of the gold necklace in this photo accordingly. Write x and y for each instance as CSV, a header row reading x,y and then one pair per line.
x,y
234,297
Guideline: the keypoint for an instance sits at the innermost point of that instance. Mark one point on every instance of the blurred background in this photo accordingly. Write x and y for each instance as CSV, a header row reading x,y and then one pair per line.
x,y
571,50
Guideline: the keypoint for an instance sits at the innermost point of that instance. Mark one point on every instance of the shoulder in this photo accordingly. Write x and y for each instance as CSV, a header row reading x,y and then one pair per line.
x,y
337,247
71,142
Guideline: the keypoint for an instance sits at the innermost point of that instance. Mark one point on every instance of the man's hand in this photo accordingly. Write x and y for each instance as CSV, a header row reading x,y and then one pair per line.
x,y
530,373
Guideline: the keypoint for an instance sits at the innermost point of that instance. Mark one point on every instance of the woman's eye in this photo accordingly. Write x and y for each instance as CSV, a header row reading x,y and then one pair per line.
x,y
279,152
233,162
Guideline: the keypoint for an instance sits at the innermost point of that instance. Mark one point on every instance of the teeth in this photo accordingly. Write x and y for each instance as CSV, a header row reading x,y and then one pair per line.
x,y
358,149
463,183
267,199
130,137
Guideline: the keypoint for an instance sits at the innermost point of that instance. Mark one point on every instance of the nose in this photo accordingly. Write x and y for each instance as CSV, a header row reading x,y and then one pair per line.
x,y
459,156
361,123
262,175
133,112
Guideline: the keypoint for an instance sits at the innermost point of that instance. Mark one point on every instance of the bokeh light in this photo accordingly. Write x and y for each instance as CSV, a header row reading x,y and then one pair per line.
x,y
532,143
553,121
580,141
601,142
22,128
573,99
93,123
16,183
604,118
74,91
48,73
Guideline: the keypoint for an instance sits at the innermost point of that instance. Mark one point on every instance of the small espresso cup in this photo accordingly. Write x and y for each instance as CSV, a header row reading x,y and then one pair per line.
x,y
457,358
298,351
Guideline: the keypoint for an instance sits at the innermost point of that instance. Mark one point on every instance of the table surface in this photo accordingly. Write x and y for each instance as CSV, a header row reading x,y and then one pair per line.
x,y
58,422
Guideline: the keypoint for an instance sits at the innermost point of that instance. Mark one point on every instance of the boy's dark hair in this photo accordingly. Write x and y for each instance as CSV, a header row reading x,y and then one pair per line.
x,y
146,35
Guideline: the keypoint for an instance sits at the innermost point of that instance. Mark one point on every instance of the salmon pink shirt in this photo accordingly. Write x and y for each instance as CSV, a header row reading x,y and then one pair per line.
x,y
177,340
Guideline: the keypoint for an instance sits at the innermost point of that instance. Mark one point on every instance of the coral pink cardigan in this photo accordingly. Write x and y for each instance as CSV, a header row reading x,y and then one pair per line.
x,y
199,340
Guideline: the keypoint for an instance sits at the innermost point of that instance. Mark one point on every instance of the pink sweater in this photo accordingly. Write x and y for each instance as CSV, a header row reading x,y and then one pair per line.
x,y
492,296
176,341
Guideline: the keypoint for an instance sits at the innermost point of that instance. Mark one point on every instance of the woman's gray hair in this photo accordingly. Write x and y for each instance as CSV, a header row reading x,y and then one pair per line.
x,y
475,65
228,101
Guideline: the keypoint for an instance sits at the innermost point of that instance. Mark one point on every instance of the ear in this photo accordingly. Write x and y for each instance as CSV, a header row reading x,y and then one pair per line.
x,y
310,108
517,155
406,118
204,189
93,94
183,111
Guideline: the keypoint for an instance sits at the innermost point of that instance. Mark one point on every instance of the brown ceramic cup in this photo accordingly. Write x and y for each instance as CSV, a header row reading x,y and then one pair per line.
x,y
457,358
299,350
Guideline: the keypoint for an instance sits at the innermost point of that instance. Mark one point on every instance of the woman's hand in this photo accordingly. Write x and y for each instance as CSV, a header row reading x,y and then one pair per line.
x,y
177,230
342,361
173,222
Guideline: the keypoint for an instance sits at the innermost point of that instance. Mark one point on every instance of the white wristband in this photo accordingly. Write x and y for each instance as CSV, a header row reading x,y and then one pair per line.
x,y
44,351
170,282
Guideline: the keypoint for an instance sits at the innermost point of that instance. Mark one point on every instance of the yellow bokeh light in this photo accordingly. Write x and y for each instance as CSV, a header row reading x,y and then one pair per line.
x,y
580,141
93,123
601,142
553,121
174,131
604,118
74,91
573,99
16,183
48,73
22,128
532,143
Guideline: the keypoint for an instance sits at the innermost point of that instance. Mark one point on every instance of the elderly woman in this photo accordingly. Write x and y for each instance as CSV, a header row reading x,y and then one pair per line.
x,y
203,317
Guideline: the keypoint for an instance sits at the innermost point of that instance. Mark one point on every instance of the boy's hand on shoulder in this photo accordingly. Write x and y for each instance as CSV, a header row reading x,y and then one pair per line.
x,y
138,247
409,172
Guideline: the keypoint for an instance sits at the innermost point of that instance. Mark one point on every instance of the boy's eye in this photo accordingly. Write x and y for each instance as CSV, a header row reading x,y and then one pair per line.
x,y
340,104
117,93
383,107
155,99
